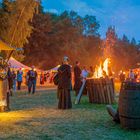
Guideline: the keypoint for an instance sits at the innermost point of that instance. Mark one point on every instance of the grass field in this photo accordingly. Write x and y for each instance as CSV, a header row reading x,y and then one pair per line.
x,y
36,117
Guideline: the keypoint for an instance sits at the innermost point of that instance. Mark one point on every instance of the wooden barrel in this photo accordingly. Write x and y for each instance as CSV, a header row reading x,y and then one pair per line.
x,y
101,90
3,95
129,105
90,90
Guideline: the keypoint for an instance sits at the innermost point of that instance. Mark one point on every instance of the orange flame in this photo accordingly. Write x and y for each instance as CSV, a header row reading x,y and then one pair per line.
x,y
102,69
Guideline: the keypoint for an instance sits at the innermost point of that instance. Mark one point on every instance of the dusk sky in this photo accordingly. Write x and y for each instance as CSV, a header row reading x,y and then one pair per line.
x,y
124,14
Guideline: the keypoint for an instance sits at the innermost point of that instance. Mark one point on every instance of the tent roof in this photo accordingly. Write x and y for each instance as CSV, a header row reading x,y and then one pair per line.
x,y
4,46
54,69
16,64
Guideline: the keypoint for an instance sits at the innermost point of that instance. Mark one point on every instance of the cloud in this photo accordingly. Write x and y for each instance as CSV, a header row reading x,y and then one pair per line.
x,y
52,11
82,7
124,14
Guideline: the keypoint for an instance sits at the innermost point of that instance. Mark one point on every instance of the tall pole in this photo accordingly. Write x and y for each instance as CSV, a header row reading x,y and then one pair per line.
x,y
17,24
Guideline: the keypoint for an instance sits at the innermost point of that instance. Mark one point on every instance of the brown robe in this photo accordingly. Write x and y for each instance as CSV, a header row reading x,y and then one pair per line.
x,y
64,86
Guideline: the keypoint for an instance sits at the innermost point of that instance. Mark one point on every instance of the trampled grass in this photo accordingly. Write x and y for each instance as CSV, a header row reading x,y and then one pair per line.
x,y
36,117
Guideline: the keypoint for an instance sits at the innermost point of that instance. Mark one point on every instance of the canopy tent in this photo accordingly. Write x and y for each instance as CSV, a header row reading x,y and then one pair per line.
x,y
16,64
54,69
4,46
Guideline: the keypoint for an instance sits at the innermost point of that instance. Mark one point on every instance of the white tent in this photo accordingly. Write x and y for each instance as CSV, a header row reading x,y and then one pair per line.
x,y
16,64
54,69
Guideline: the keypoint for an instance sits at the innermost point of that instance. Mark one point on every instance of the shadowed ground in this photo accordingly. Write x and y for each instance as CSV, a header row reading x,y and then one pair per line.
x,y
36,117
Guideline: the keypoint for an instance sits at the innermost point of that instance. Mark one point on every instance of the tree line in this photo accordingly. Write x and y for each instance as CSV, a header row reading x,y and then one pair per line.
x,y
47,37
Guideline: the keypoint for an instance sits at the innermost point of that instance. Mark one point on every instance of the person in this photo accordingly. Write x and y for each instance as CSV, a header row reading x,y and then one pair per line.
x,y
91,72
131,75
84,73
64,85
14,79
122,76
42,79
77,78
19,78
32,77
10,81
135,76
45,76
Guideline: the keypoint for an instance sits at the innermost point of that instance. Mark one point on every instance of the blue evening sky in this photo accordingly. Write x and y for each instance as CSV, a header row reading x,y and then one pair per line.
x,y
124,14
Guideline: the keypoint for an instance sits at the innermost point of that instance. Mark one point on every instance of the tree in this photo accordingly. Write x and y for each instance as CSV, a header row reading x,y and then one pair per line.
x,y
91,26
57,35
125,39
133,42
16,16
110,42
87,25
77,21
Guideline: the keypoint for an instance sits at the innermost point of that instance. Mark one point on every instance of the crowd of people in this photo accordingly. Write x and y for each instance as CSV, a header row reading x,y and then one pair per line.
x,y
130,76
64,73
31,78
64,84
15,80
65,81
46,77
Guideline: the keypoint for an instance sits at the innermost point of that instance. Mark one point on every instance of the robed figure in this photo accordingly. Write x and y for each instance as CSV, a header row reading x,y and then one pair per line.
x,y
77,78
64,85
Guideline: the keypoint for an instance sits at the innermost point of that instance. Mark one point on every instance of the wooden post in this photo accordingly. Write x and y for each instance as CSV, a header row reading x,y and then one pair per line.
x,y
78,98
3,95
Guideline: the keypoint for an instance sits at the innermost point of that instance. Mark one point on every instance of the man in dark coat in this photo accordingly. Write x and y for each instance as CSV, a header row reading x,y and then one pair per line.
x,y
77,78
64,85
32,77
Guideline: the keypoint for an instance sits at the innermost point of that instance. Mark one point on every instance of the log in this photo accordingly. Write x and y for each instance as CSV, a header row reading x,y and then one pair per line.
x,y
78,98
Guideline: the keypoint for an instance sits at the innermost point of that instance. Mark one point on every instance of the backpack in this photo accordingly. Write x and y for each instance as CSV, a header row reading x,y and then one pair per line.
x,y
56,79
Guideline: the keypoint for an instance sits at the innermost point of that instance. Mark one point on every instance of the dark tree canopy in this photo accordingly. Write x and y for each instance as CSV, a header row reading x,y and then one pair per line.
x,y
48,37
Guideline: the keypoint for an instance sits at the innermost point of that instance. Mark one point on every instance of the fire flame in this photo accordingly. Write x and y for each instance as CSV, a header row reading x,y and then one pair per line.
x,y
102,69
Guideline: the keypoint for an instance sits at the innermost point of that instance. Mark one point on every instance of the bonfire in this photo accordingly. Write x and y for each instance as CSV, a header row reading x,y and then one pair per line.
x,y
102,70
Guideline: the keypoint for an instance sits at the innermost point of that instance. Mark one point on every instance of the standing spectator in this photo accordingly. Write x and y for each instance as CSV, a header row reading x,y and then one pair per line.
x,y
84,75
131,76
45,77
64,85
32,78
122,76
19,78
48,75
77,78
10,81
91,72
42,79
14,80
51,77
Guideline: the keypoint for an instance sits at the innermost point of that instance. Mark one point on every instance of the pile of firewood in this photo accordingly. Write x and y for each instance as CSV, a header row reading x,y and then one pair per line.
x,y
101,90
